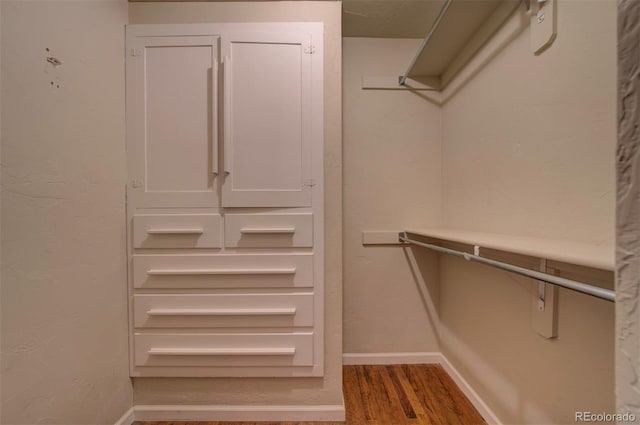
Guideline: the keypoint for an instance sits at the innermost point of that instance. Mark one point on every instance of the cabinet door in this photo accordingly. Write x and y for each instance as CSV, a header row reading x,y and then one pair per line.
x,y
267,126
172,143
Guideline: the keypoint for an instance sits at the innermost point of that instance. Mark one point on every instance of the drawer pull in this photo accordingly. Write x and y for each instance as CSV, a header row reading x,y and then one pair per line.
x,y
175,231
222,311
268,230
279,351
207,272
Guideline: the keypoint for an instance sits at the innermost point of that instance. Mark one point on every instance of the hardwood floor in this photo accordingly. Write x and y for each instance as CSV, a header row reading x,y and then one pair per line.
x,y
391,395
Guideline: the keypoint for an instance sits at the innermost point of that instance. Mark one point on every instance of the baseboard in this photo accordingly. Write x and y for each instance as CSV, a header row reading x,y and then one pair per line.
x,y
240,413
390,358
128,418
471,394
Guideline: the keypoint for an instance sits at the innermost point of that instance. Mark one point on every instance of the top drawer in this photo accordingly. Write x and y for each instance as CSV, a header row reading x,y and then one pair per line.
x,y
269,230
176,231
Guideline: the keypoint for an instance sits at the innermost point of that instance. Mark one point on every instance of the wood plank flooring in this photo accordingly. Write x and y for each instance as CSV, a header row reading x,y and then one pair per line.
x,y
391,395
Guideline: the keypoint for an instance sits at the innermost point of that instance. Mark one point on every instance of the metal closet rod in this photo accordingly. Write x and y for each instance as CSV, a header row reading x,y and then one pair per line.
x,y
605,294
432,30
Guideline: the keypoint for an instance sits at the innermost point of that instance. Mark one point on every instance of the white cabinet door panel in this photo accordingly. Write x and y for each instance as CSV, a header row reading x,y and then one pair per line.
x,y
267,158
172,99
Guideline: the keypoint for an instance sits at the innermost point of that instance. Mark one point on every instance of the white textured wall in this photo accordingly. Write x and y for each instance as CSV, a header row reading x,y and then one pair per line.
x,y
528,149
326,390
628,218
391,179
64,308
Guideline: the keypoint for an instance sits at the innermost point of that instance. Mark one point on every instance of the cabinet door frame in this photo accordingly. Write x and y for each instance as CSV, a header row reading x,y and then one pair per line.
x,y
283,198
139,39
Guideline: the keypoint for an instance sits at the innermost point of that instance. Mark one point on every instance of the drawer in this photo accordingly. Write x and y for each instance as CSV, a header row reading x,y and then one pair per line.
x,y
268,230
269,349
177,231
223,271
222,310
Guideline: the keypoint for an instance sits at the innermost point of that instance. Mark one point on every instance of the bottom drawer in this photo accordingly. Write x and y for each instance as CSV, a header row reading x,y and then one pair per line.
x,y
224,349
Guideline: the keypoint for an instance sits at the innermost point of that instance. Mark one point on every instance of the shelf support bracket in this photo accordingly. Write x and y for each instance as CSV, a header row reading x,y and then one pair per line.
x,y
544,309
541,285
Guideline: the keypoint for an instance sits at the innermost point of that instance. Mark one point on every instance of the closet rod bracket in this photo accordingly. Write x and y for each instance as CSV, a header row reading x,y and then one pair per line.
x,y
542,285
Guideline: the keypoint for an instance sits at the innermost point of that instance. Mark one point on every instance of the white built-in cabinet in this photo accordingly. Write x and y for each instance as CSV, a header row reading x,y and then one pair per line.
x,y
225,199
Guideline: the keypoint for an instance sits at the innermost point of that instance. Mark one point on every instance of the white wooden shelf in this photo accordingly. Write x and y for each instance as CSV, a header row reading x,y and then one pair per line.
x,y
581,254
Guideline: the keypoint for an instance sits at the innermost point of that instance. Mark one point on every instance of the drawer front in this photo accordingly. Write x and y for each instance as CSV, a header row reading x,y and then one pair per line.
x,y
223,271
268,230
224,349
177,231
222,310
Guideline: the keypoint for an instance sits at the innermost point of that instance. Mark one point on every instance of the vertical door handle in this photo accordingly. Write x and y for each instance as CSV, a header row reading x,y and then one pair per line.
x,y
227,114
214,117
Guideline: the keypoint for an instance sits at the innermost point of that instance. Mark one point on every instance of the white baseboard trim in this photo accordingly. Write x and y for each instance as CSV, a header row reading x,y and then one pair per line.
x,y
240,413
391,358
127,419
471,394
